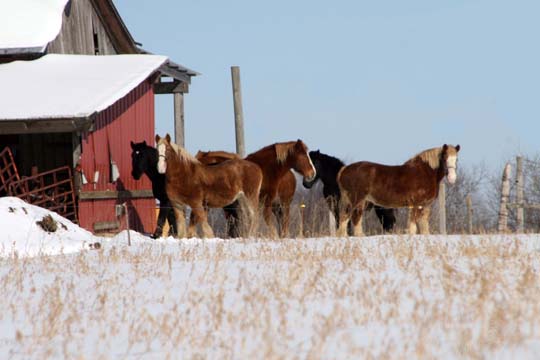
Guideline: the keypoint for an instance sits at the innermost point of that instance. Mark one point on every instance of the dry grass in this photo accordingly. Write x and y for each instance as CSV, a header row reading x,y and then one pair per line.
x,y
380,297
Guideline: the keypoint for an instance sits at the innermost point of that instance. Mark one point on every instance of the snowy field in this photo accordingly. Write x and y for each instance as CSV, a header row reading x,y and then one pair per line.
x,y
374,297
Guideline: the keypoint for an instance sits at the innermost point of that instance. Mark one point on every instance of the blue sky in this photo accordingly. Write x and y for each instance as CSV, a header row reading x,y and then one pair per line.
x,y
361,80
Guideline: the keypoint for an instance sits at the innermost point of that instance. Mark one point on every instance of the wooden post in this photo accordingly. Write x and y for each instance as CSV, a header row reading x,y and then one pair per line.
x,y
179,119
502,224
519,195
238,111
442,208
127,223
469,215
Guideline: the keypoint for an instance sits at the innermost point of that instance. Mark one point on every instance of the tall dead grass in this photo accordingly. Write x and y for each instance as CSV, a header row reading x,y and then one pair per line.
x,y
389,297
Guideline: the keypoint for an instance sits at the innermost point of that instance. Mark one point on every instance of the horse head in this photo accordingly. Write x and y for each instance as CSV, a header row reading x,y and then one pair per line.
x,y
315,160
163,146
142,159
302,162
449,155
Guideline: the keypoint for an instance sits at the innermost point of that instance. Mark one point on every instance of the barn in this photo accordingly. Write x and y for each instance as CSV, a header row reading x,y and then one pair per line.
x,y
76,89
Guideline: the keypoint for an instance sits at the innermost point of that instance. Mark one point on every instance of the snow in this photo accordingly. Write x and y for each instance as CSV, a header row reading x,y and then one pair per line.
x,y
393,296
29,23
70,86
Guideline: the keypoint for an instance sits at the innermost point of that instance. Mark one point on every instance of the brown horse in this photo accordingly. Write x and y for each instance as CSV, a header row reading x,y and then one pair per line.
x,y
280,207
276,161
188,182
415,185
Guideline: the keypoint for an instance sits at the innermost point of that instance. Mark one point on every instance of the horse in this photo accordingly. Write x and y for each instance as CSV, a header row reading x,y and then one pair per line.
x,y
144,160
415,185
276,161
281,208
189,182
327,169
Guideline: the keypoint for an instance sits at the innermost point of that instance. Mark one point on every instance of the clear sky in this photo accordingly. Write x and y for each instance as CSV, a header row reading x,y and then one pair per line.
x,y
361,80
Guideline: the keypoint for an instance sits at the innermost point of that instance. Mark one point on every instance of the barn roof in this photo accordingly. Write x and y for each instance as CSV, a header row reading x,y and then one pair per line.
x,y
29,25
70,86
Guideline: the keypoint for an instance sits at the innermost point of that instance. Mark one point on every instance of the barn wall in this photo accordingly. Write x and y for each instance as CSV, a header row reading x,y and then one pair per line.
x,y
129,119
79,23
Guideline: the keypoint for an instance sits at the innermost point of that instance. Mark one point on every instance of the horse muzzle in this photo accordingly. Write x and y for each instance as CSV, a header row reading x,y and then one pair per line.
x,y
451,175
308,184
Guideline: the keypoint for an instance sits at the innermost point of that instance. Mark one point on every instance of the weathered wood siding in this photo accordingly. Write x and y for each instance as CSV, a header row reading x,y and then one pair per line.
x,y
79,23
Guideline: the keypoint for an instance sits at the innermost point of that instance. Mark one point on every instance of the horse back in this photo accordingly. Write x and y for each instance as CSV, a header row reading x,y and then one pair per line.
x,y
390,186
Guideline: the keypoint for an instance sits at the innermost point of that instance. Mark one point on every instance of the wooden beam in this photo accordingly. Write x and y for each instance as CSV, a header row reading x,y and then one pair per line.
x,y
44,126
106,225
179,119
124,194
238,111
519,195
442,208
171,87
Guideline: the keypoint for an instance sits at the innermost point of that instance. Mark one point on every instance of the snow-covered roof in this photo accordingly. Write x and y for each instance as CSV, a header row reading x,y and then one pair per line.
x,y
29,25
70,86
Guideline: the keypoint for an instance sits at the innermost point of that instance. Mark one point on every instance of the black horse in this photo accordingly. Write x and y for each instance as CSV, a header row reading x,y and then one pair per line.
x,y
327,169
144,159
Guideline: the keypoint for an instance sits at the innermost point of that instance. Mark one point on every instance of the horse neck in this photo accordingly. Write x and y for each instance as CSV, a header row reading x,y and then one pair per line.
x,y
438,173
180,170
329,171
267,161
151,171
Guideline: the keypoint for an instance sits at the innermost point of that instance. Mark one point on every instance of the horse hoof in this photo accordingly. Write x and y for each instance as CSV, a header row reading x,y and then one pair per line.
x,y
155,236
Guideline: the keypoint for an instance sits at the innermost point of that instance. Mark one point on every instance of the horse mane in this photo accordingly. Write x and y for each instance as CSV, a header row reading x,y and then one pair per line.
x,y
183,154
432,157
283,150
334,161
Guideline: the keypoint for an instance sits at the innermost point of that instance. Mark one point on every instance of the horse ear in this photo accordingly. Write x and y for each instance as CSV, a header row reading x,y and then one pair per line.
x,y
157,138
445,147
168,138
458,147
132,144
144,143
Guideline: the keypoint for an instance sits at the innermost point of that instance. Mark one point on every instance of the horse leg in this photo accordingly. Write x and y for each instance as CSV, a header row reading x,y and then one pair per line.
x,y
277,210
423,221
412,219
267,214
356,220
163,212
180,220
386,218
199,215
285,218
231,216
171,219
345,209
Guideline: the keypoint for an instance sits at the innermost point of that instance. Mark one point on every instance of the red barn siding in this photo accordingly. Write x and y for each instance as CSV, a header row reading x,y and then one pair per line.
x,y
129,119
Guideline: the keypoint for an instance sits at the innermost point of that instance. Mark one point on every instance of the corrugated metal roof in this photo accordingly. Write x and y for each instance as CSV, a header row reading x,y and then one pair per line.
x,y
29,25
70,86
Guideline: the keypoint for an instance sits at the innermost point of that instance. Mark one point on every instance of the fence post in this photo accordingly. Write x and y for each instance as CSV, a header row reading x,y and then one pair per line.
x,y
502,224
238,111
519,194
469,215
442,208
179,119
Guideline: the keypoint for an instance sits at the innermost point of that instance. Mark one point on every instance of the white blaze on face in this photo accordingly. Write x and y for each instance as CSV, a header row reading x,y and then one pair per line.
x,y
161,164
451,166
312,166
